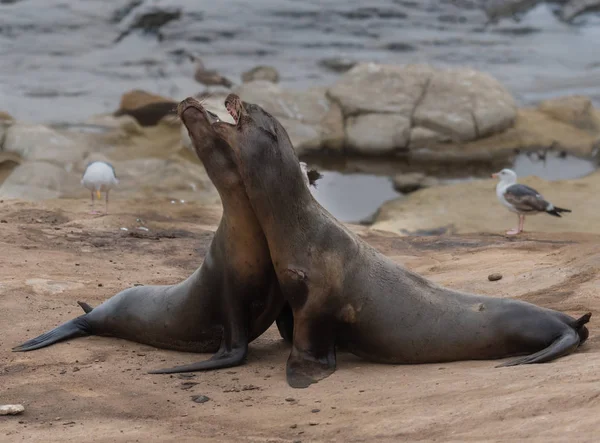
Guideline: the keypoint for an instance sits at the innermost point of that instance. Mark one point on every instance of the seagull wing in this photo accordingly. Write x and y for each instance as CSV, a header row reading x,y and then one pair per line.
x,y
525,199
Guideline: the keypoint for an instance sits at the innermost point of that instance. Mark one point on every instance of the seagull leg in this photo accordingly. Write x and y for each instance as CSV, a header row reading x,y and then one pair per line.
x,y
106,209
515,231
521,222
93,211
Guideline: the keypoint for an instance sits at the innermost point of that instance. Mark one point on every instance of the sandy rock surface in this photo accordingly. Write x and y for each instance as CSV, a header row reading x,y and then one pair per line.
x,y
473,207
96,388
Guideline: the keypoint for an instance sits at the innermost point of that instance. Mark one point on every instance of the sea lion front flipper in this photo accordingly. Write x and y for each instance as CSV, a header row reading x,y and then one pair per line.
x,y
313,351
234,344
224,358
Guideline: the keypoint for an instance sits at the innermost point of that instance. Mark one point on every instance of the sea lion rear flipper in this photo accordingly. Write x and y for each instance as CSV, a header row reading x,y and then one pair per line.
x,y
565,344
78,327
86,308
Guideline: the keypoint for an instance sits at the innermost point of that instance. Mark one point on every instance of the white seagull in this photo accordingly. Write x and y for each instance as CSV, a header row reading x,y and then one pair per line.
x,y
522,199
99,177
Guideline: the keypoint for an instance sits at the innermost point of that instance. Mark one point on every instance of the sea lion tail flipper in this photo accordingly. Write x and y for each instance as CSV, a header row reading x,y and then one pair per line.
x,y
86,308
579,326
78,327
222,359
565,344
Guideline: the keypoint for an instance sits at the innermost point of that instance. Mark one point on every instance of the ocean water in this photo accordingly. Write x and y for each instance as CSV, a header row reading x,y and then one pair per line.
x,y
64,60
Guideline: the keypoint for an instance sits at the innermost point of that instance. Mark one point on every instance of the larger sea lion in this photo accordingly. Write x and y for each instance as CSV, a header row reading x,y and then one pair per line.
x,y
342,290
226,303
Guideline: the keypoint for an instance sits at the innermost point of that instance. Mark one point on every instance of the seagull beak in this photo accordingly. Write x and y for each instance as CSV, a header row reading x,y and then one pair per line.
x,y
98,194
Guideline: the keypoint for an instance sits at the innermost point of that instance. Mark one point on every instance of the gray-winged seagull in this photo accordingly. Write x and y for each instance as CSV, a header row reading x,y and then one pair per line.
x,y
522,199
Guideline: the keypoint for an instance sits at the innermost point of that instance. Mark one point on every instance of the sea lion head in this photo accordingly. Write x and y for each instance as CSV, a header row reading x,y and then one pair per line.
x,y
210,138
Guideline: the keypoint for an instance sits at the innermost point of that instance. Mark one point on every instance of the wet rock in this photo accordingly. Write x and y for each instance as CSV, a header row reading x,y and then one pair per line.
x,y
575,8
307,116
200,398
494,277
11,409
36,181
39,143
498,9
337,64
413,181
266,73
575,110
148,19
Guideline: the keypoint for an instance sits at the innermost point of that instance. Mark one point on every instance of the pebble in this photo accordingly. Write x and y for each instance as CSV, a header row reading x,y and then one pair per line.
x,y
494,277
200,398
314,411
290,399
293,426
313,423
11,409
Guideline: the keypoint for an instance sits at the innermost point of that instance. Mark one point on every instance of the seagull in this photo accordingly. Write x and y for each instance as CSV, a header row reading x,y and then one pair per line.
x,y
99,176
522,199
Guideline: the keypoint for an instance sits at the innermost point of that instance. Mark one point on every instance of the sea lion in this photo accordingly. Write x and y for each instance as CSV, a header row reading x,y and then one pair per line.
x,y
226,303
342,290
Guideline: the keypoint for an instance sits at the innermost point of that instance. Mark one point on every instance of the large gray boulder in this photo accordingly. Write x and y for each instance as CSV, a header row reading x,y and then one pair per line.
x,y
457,104
37,180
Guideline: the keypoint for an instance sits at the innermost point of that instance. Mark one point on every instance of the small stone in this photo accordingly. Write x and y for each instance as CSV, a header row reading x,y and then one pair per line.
x,y
297,441
3,221
314,411
200,398
12,409
294,426
75,369
494,277
99,285
250,388
68,423
290,399
64,371
313,423
188,385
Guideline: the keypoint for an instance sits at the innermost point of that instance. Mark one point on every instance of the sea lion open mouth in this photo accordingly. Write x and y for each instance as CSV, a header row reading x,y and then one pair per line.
x,y
233,104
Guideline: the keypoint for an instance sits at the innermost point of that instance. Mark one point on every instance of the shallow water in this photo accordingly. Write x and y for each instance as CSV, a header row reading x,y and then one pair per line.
x,y
63,61
356,197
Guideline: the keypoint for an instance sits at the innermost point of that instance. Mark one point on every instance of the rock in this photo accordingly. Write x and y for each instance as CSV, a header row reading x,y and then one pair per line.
x,y
37,181
494,277
453,104
375,134
39,143
200,398
11,409
306,115
137,98
575,110
5,116
413,181
266,73
497,9
423,137
147,18
575,8
472,207
465,105
374,88
337,64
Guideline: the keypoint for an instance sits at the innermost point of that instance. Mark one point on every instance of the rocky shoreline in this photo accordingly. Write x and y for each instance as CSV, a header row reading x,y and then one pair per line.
x,y
419,114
